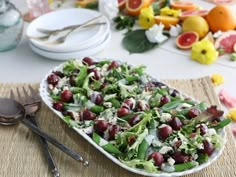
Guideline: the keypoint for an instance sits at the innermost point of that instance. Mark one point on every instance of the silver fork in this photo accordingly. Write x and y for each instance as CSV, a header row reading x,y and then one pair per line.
x,y
46,37
32,104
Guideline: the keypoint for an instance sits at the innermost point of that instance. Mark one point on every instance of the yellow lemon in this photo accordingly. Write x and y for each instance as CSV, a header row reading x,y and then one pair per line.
x,y
197,24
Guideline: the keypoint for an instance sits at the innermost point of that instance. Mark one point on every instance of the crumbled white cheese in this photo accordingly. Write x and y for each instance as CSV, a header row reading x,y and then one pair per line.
x,y
171,161
66,88
107,104
62,82
174,141
165,117
200,146
55,91
108,8
149,139
165,149
175,30
108,97
75,115
88,130
195,156
210,132
155,34
186,105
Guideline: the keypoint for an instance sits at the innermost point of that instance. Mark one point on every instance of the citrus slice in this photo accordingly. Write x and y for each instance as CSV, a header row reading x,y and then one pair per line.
x,y
183,5
189,13
121,4
226,42
134,7
166,20
186,40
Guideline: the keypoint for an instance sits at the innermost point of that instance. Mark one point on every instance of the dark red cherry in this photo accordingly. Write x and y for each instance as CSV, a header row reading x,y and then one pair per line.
x,y
180,157
113,64
175,123
113,130
58,106
66,96
157,157
134,120
142,106
194,112
165,131
96,98
53,79
203,129
164,99
129,103
88,115
59,74
100,126
122,112
97,74
88,61
207,148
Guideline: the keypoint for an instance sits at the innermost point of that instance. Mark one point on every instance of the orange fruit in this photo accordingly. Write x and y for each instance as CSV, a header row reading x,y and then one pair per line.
x,y
183,5
166,20
133,7
221,17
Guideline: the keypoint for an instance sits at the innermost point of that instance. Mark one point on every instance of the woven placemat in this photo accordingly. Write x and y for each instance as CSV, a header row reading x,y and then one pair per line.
x,y
21,154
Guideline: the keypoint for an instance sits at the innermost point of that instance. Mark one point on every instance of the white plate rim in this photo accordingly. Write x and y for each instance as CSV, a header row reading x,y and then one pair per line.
x,y
69,55
66,47
47,100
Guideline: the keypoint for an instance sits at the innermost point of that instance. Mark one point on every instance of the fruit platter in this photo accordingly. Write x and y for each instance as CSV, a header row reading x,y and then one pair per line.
x,y
138,122
185,26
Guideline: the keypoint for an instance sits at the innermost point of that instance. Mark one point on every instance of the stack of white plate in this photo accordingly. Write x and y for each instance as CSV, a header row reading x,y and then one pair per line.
x,y
83,42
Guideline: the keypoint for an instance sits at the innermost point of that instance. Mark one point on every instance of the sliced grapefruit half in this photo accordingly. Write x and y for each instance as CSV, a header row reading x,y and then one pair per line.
x,y
133,7
226,42
186,39
183,5
189,13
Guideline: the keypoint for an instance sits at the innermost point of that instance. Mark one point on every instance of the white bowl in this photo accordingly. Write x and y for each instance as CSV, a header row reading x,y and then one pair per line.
x,y
77,54
77,40
48,101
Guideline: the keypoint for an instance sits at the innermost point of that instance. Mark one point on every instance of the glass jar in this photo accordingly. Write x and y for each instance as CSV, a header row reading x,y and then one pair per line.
x,y
11,26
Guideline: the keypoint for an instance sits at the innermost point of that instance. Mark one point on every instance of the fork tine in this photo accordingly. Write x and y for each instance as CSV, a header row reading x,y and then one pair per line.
x,y
27,97
12,95
34,94
20,98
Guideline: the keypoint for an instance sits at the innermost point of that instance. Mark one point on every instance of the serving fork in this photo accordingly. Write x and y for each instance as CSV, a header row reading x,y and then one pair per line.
x,y
32,104
68,31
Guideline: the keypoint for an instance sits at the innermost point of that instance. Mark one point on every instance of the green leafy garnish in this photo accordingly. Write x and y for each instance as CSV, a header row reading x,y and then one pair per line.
x,y
137,42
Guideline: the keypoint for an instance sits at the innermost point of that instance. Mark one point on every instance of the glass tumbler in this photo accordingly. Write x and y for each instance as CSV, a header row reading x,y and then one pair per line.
x,y
11,26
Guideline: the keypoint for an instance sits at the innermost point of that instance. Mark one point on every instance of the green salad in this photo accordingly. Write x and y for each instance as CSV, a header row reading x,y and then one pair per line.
x,y
139,120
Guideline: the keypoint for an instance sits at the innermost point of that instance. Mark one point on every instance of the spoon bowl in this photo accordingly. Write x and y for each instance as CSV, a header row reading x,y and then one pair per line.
x,y
11,112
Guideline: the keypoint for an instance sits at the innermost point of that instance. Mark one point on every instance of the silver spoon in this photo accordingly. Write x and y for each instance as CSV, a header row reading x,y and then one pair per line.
x,y
12,112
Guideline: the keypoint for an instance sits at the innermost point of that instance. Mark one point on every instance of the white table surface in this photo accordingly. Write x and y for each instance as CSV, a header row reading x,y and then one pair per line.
x,y
23,65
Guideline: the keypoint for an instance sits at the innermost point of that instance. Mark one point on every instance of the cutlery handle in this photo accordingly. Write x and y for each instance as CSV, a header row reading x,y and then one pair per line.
x,y
53,141
46,151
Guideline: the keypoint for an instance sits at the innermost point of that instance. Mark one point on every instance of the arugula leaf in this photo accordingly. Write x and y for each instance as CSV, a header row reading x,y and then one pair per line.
x,y
137,42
